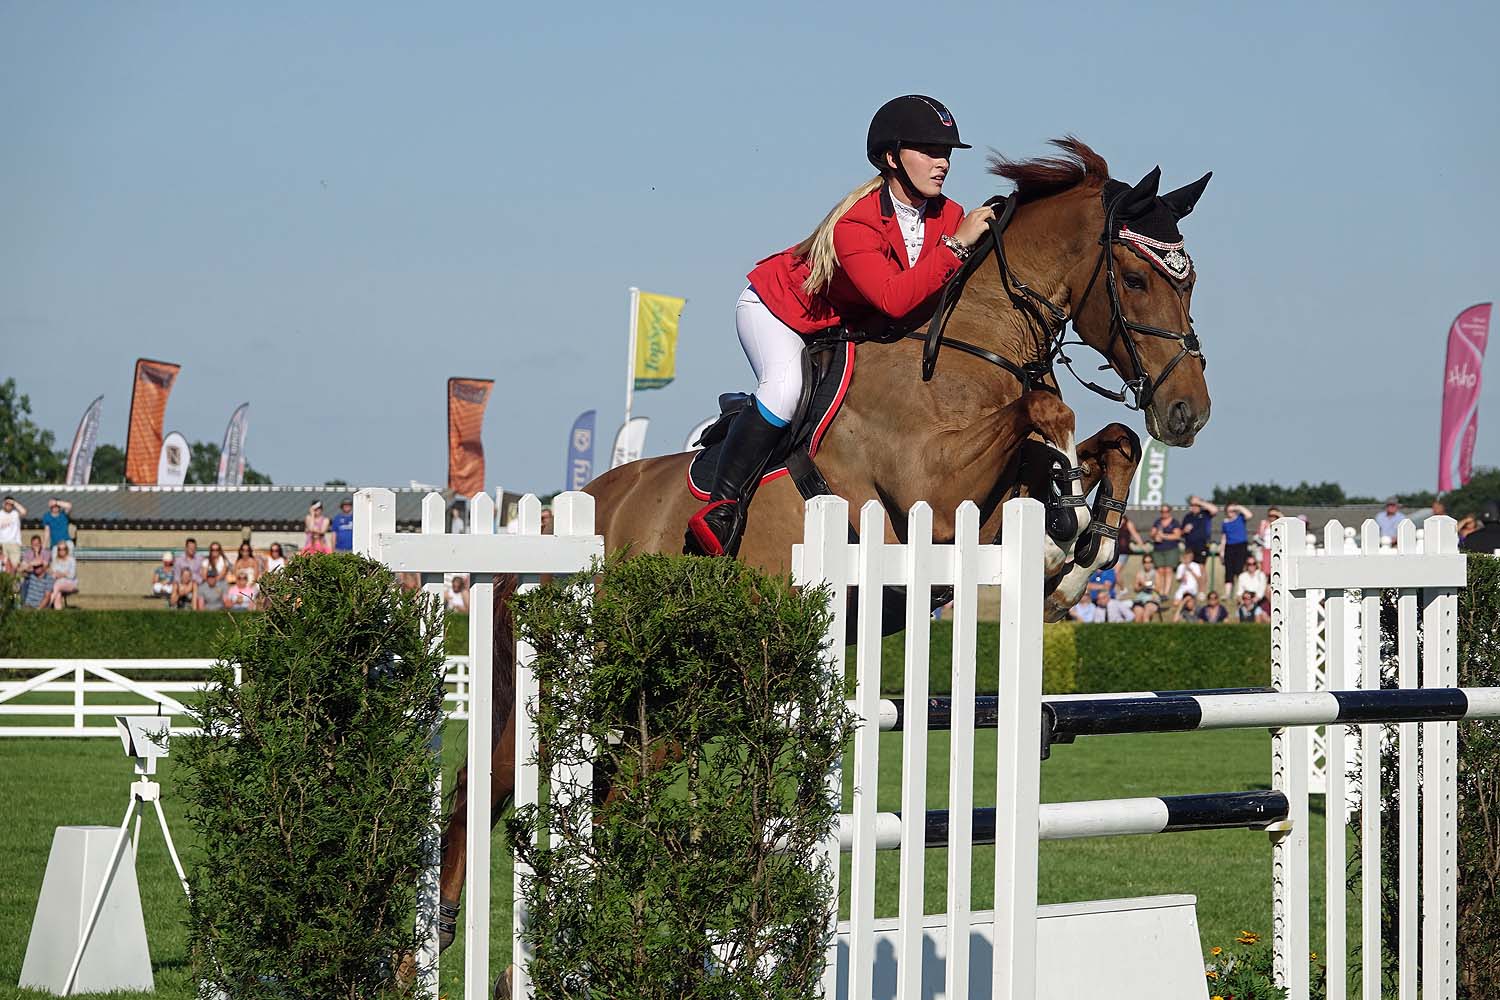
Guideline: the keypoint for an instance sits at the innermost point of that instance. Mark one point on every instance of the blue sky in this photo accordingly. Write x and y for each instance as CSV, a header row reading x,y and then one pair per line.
x,y
328,212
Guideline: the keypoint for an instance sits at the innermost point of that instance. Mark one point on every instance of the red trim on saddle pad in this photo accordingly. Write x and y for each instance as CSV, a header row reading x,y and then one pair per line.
x,y
817,437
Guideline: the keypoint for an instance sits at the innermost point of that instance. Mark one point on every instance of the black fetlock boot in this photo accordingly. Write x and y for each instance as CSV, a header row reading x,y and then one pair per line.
x,y
716,529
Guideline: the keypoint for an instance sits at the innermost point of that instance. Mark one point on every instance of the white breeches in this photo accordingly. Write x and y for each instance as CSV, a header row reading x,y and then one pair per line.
x,y
775,353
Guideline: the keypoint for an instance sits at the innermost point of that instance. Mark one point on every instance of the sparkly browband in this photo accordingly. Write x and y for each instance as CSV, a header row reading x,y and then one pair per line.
x,y
1169,258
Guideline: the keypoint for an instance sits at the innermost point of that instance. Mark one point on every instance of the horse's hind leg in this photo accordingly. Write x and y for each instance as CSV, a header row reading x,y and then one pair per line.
x,y
502,766
1109,460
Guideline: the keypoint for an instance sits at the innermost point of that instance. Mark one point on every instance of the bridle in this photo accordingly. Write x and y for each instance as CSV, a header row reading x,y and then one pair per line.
x,y
1048,321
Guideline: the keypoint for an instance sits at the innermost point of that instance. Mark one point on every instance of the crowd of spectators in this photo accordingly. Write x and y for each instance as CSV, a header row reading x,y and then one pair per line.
x,y
1172,581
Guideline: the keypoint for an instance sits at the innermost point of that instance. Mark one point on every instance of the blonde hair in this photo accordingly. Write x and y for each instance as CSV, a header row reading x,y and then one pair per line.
x,y
817,249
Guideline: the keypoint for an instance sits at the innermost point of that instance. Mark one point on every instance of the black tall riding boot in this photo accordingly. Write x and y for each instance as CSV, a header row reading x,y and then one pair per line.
x,y
716,529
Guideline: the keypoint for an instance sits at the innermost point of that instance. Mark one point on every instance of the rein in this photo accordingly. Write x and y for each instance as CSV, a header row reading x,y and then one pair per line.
x,y
1048,321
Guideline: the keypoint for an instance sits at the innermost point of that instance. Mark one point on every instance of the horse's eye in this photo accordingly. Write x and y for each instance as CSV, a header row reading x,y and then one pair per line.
x,y
1135,280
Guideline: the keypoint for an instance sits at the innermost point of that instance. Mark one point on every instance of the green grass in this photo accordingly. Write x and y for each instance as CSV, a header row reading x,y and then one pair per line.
x,y
48,783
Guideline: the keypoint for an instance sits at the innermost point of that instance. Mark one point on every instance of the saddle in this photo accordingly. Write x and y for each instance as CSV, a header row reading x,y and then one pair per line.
x,y
827,368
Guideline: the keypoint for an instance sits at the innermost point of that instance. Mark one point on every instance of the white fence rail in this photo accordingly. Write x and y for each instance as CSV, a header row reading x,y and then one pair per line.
x,y
55,697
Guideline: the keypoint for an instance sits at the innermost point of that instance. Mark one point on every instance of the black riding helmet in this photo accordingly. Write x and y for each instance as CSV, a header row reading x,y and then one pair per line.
x,y
912,120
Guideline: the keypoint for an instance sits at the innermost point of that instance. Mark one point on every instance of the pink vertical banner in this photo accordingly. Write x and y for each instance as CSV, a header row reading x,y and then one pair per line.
x,y
1461,381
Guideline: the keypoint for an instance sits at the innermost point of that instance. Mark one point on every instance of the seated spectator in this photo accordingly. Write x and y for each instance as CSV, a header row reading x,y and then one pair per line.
x,y
190,560
245,562
1088,611
36,586
1187,609
1251,580
1189,576
163,577
1212,611
184,596
211,592
1118,609
1246,611
37,553
458,595
64,577
57,523
218,560
243,595
274,558
1101,581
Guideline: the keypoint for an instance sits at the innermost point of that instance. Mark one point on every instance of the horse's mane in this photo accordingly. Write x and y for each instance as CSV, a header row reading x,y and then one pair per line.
x,y
1043,176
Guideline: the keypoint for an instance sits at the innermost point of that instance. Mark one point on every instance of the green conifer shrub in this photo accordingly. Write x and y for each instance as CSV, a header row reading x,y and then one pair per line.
x,y
310,786
702,875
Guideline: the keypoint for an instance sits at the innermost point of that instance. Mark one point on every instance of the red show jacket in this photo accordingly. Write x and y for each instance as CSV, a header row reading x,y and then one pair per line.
x,y
873,285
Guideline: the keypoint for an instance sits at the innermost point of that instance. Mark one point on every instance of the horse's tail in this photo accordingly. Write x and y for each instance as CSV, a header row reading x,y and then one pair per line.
x,y
503,625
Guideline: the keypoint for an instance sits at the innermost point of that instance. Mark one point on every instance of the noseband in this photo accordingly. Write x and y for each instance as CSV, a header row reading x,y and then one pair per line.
x,y
1048,321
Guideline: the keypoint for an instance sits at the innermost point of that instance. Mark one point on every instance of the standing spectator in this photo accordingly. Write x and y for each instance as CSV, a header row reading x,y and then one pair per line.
x,y
1187,611
64,576
1236,540
191,560
1189,577
458,595
1246,611
1130,538
1251,581
1390,519
243,594
218,560
315,529
1263,537
1166,544
11,513
343,526
38,553
57,522
164,577
1212,611
36,587
1197,526
245,562
274,558
211,592
184,596
456,520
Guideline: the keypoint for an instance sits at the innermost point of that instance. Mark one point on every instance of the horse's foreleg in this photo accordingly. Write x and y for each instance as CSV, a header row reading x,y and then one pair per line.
x,y
456,834
1109,460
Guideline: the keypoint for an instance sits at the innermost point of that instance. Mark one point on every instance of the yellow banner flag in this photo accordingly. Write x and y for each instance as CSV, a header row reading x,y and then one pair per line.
x,y
656,318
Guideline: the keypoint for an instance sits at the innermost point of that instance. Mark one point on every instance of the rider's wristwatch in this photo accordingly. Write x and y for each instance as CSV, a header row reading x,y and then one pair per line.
x,y
959,250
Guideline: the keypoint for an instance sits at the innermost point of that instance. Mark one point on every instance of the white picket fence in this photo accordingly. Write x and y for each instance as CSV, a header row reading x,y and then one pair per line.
x,y
56,697
1148,946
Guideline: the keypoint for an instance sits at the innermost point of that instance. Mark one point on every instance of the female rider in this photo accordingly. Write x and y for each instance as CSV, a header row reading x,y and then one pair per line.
x,y
879,258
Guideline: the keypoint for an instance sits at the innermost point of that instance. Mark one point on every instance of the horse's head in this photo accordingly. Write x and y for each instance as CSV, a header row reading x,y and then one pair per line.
x,y
1132,303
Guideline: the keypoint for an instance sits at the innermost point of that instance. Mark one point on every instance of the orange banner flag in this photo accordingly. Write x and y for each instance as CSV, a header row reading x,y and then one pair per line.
x,y
466,401
148,411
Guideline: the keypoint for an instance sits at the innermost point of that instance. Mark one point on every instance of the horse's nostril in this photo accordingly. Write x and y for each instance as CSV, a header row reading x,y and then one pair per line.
x,y
1179,417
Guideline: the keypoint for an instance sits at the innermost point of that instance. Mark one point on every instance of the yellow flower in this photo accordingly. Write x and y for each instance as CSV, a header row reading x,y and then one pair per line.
x,y
1216,950
1314,956
1211,974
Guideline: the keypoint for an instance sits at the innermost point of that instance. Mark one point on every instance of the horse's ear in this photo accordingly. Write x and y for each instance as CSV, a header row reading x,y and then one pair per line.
x,y
1182,200
1138,199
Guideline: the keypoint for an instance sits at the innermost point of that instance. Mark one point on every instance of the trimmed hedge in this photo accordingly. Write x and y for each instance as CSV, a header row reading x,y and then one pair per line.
x,y
143,634
1075,658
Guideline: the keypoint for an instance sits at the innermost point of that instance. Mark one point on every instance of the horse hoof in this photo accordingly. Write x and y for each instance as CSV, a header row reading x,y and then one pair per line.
x,y
502,985
447,923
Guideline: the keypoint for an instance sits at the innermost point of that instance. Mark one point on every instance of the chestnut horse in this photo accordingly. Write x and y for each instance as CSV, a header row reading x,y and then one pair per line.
x,y
1067,254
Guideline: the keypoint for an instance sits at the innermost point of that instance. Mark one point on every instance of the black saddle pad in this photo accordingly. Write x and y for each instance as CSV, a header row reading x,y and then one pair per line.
x,y
832,369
